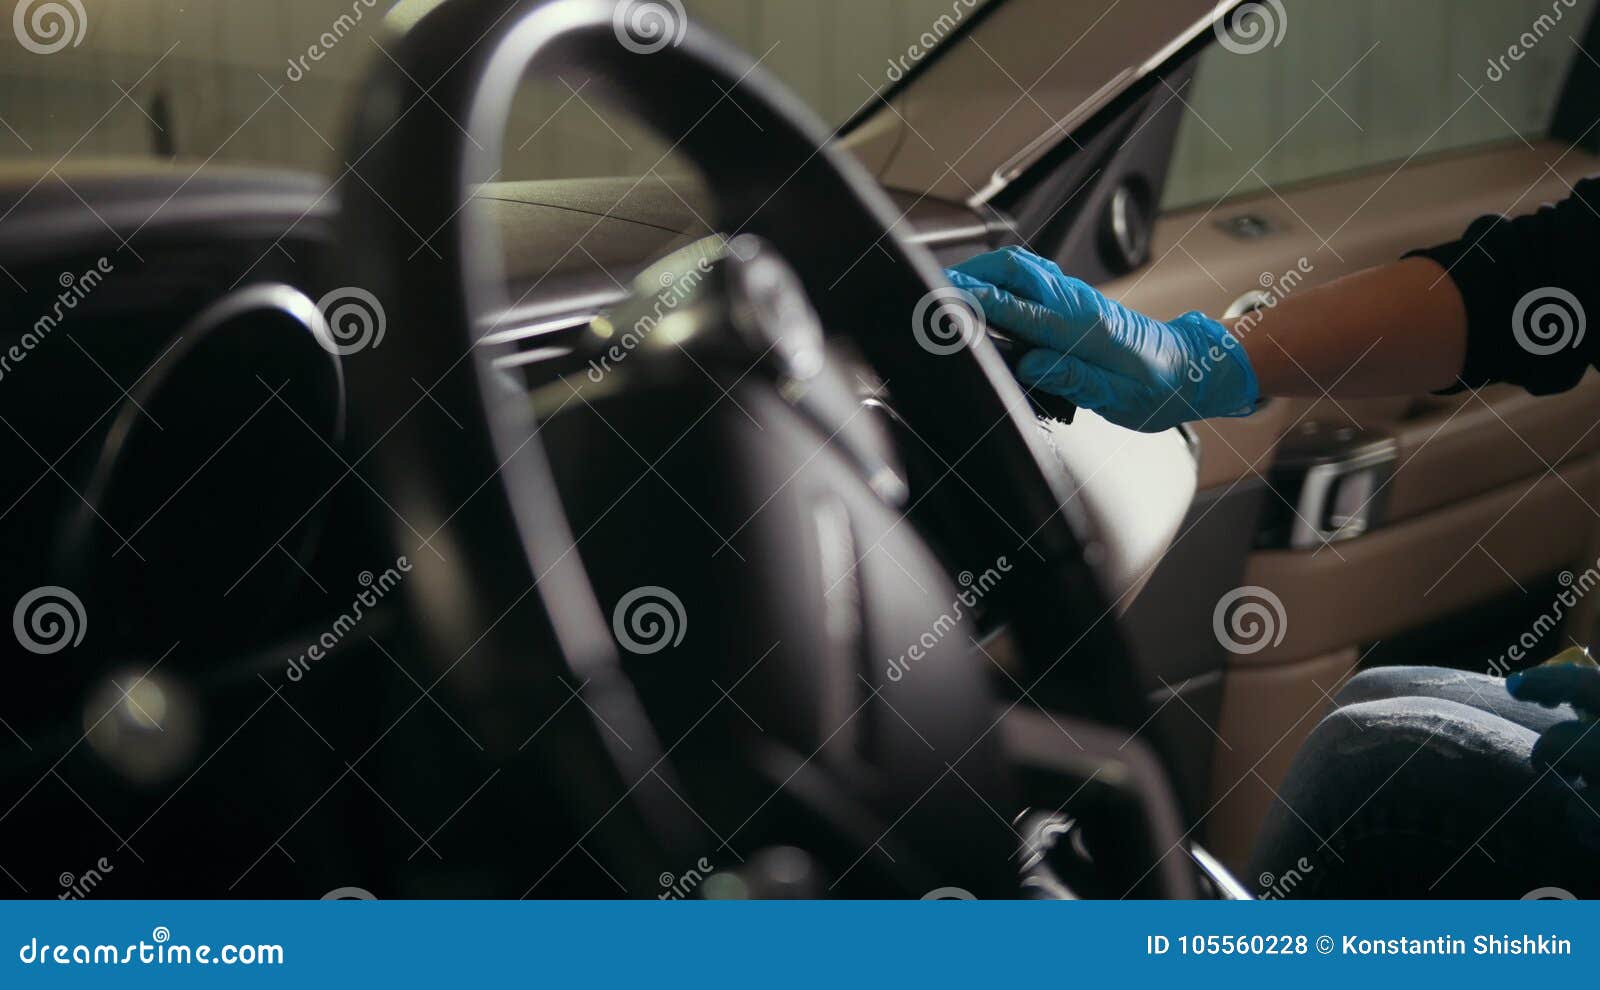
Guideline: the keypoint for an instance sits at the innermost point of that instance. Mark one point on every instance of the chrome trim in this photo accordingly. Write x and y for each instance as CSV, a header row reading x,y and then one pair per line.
x,y
1247,226
505,324
1377,461
1036,149
1249,302
1121,227
277,296
976,231
534,356
538,328
557,314
1191,439
1227,885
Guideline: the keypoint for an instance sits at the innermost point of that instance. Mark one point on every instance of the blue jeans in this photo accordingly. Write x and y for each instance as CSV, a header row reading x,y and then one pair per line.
x,y
1418,784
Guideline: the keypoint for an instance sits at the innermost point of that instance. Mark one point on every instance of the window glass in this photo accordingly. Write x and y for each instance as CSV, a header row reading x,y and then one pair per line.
x,y
1311,88
270,82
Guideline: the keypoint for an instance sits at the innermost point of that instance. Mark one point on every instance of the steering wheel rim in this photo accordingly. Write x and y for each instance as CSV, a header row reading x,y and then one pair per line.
x,y
453,285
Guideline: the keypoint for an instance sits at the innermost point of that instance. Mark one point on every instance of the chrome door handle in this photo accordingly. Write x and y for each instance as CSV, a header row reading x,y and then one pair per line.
x,y
1336,479
1249,302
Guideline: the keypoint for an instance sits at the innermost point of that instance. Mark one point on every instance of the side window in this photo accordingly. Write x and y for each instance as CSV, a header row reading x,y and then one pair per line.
x,y
1306,89
269,82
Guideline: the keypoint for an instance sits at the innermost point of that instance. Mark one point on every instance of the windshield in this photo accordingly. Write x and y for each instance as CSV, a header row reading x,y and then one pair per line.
x,y
268,83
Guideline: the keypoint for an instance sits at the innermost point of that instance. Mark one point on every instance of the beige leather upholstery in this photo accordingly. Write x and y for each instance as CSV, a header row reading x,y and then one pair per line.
x,y
1134,490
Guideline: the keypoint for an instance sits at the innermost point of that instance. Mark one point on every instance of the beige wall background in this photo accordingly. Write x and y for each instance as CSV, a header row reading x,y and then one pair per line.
x,y
223,61
1429,56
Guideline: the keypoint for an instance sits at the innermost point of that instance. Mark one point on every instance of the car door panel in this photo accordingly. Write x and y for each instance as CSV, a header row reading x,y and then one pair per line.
x,y
1371,218
1489,491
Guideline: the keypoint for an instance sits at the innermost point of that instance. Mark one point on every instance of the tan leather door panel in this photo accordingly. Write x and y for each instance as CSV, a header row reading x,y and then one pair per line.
x,y
1490,490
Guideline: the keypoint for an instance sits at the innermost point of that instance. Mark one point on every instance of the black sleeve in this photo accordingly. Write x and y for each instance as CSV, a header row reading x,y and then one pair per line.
x,y
1529,284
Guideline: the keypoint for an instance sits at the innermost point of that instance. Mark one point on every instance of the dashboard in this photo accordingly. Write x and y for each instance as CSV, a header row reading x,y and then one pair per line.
x,y
137,290
173,408
188,493
164,403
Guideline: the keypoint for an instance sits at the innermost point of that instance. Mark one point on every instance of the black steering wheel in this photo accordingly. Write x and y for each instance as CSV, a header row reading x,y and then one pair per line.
x,y
890,785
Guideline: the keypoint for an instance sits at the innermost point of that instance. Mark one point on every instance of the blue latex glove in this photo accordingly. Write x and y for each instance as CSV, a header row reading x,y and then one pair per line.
x,y
1135,371
1571,747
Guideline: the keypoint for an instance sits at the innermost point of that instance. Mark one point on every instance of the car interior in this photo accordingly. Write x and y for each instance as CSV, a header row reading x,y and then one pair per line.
x,y
498,448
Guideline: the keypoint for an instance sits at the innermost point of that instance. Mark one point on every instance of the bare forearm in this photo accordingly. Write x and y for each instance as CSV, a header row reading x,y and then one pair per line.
x,y
1395,330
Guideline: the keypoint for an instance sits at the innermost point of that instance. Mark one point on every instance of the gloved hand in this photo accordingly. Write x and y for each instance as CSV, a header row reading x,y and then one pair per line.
x,y
1135,371
1571,747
